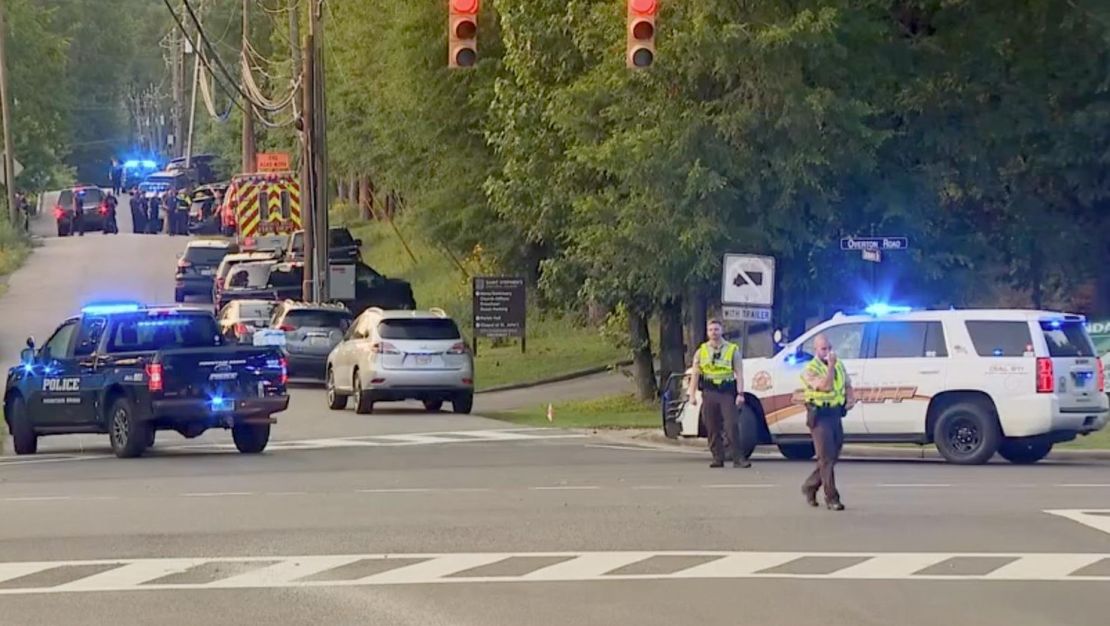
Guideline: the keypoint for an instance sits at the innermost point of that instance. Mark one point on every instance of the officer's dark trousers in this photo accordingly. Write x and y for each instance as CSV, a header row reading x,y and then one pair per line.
x,y
828,439
721,419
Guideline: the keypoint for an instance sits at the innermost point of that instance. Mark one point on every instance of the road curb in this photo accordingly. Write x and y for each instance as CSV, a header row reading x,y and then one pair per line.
x,y
860,450
557,379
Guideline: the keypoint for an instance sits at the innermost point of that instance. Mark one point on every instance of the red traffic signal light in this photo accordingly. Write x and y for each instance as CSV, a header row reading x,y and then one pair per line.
x,y
641,33
462,33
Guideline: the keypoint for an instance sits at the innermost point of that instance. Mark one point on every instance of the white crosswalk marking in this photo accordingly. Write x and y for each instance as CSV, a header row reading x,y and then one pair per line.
x,y
405,439
400,569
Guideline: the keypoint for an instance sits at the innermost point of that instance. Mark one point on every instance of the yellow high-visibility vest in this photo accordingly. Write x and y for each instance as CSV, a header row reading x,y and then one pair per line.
x,y
835,397
717,371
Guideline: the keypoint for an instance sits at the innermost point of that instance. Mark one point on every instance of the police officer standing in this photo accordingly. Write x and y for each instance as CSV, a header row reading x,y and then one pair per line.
x,y
138,211
79,212
828,398
718,374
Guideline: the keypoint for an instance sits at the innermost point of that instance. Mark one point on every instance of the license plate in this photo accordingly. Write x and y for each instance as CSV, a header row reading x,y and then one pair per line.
x,y
318,341
208,272
1082,378
423,360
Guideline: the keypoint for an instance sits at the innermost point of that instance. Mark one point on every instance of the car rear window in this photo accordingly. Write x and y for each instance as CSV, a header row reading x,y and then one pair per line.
x,y
318,319
146,333
1000,339
341,238
426,329
205,256
255,311
1067,339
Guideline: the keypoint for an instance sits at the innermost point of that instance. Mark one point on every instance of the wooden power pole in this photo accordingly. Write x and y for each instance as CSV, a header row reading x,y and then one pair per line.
x,y
314,173
248,108
9,149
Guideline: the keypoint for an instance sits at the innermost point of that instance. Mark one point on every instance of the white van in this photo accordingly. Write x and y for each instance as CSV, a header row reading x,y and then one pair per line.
x,y
972,382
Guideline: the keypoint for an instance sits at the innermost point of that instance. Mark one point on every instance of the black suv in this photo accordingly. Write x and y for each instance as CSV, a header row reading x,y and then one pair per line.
x,y
342,246
196,267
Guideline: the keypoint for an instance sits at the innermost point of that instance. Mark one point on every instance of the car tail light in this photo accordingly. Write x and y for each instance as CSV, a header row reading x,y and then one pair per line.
x,y
104,210
241,329
384,347
286,328
284,370
459,348
1101,373
154,377
1045,382
59,212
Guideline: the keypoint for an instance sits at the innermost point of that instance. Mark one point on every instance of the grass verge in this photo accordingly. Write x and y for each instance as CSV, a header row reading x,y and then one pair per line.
x,y
555,345
607,413
14,249
1096,441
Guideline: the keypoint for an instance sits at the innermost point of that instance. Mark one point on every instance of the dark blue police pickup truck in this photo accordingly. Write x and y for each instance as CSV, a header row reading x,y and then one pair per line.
x,y
128,370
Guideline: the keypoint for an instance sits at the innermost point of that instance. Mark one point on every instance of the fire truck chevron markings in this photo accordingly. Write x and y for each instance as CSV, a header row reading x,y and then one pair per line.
x,y
194,574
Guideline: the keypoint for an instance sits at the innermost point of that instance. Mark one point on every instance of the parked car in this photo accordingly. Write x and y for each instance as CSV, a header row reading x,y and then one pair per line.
x,y
311,332
196,267
90,198
240,319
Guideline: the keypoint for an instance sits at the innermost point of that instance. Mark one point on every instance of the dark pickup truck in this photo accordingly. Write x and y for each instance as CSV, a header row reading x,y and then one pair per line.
x,y
130,370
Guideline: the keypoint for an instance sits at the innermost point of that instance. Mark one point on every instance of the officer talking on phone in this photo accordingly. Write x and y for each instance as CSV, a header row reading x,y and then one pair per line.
x,y
828,398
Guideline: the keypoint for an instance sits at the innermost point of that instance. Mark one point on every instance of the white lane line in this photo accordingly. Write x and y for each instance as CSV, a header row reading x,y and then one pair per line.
x,y
567,488
1084,485
398,490
738,486
591,565
1098,519
468,490
651,488
887,566
433,569
216,494
1046,565
913,485
38,498
131,574
285,572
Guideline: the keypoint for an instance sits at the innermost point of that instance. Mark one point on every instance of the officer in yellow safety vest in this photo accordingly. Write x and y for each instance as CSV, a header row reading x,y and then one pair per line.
x,y
718,374
828,398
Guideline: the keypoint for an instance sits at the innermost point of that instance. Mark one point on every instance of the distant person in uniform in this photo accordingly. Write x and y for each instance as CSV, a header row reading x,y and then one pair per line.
x,y
110,207
138,211
153,217
718,373
79,212
828,398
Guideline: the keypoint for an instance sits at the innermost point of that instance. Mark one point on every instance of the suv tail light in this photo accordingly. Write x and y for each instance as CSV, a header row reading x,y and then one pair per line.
x,y
459,348
154,377
284,370
59,212
1045,376
384,347
241,329
1101,373
286,328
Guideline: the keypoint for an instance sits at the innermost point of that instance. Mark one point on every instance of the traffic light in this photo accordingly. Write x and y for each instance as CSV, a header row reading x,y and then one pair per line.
x,y
462,36
641,33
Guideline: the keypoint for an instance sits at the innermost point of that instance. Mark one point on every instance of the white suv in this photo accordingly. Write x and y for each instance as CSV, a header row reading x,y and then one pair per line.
x,y
401,355
972,382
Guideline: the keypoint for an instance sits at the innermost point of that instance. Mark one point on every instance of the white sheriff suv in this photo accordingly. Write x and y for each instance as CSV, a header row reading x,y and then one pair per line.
x,y
971,382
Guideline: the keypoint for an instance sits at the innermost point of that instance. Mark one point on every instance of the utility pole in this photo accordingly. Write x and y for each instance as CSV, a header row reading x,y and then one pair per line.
x,y
9,149
248,115
308,197
314,173
193,106
177,63
295,52
320,153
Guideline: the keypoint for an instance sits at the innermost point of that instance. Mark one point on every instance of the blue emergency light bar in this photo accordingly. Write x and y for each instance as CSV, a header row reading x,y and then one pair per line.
x,y
880,309
109,308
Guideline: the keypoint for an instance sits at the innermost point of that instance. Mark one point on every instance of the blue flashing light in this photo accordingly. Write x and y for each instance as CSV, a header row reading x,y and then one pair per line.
x,y
1054,324
131,164
177,321
998,352
28,368
792,359
150,165
880,309
111,308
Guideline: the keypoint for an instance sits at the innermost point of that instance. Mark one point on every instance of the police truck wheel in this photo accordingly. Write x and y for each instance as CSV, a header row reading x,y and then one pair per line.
x,y
433,406
364,402
129,436
1024,452
463,403
336,400
251,438
966,434
797,451
24,438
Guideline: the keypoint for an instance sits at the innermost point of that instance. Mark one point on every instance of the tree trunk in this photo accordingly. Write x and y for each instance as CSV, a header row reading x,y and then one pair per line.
x,y
643,366
341,190
365,198
352,189
697,313
671,349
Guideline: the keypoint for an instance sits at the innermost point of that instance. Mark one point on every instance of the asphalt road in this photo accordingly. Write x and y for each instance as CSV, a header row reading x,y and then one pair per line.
x,y
405,518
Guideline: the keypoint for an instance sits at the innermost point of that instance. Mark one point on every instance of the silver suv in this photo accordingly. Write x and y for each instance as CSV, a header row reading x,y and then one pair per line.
x,y
390,356
311,332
